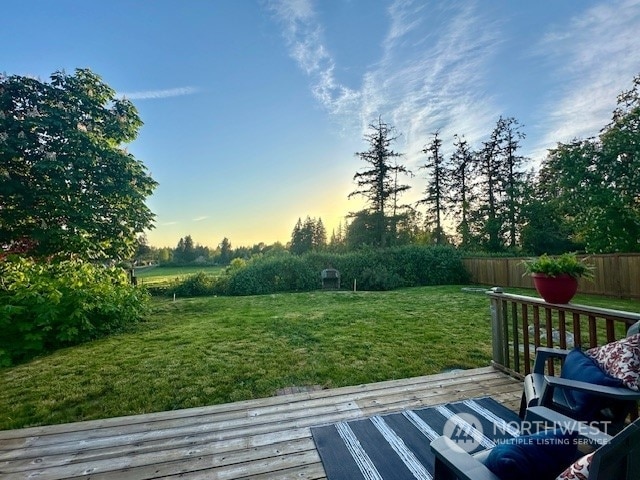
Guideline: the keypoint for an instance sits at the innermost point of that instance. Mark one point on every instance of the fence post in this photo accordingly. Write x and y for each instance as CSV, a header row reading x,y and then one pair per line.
x,y
497,327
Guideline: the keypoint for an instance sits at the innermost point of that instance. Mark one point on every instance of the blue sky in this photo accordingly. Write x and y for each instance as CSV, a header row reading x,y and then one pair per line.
x,y
254,109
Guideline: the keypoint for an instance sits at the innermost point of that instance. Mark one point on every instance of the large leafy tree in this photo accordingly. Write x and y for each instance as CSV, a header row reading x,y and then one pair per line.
x,y
544,228
67,184
378,181
597,181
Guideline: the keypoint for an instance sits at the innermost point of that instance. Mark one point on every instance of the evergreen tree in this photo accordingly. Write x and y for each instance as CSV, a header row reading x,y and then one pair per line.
x,y
486,215
337,240
436,191
225,252
512,176
361,230
297,245
463,166
500,188
308,236
189,254
185,251
377,183
319,236
178,252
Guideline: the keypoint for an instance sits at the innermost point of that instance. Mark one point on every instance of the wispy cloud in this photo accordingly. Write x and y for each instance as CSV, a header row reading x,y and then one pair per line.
x,y
200,219
434,81
304,37
153,94
598,54
423,82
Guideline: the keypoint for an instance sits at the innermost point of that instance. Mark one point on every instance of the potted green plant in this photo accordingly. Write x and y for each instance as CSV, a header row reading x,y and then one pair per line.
x,y
556,278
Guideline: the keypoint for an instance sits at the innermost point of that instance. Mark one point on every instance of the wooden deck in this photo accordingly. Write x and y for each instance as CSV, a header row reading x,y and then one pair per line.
x,y
263,438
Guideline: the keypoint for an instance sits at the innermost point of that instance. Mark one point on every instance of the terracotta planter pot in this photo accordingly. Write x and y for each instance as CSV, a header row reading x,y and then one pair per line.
x,y
560,289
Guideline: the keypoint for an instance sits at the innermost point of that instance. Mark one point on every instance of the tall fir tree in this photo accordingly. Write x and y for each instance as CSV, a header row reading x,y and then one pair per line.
x,y
463,167
436,190
378,183
487,214
512,177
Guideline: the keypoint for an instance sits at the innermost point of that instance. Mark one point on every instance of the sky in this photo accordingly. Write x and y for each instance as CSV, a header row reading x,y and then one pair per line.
x,y
254,110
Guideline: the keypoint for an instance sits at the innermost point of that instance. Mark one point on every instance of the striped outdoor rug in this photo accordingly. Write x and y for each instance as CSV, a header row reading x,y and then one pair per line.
x,y
396,446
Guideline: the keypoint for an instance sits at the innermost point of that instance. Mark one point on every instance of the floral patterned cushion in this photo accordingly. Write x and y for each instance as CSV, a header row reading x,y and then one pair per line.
x,y
577,471
621,360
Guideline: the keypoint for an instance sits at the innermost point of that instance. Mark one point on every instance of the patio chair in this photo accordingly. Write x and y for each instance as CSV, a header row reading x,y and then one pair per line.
x,y
584,392
618,458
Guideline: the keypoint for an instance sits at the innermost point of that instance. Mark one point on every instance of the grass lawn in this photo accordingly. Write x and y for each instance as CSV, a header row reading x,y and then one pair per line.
x,y
165,275
211,350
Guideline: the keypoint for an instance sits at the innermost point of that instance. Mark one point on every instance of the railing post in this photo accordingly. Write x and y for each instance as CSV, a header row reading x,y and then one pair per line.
x,y
497,328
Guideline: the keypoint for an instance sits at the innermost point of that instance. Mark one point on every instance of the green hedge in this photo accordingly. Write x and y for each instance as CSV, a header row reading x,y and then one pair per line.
x,y
387,269
281,273
48,305
371,269
195,285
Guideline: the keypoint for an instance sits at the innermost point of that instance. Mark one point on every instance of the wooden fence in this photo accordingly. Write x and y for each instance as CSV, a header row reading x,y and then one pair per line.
x,y
616,275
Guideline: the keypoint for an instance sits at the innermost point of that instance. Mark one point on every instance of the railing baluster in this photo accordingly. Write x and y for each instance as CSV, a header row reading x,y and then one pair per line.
x,y
562,329
516,342
506,331
536,326
525,339
505,326
611,330
577,336
549,327
593,332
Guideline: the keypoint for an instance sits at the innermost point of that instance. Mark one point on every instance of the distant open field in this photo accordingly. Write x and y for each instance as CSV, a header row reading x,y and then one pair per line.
x,y
165,275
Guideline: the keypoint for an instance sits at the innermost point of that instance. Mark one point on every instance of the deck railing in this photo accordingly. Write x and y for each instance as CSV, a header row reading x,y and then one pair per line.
x,y
520,324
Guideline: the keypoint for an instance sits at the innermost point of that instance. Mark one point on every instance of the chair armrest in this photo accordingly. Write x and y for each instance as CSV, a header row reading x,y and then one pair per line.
x,y
545,353
452,462
617,393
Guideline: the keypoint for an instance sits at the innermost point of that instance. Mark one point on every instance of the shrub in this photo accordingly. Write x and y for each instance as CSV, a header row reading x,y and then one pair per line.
x,y
195,285
48,305
373,269
282,273
379,278
384,269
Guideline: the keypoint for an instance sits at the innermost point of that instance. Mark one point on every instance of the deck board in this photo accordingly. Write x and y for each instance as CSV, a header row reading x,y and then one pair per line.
x,y
261,438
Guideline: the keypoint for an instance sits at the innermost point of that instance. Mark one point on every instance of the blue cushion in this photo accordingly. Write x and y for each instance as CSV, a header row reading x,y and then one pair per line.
x,y
533,457
579,366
